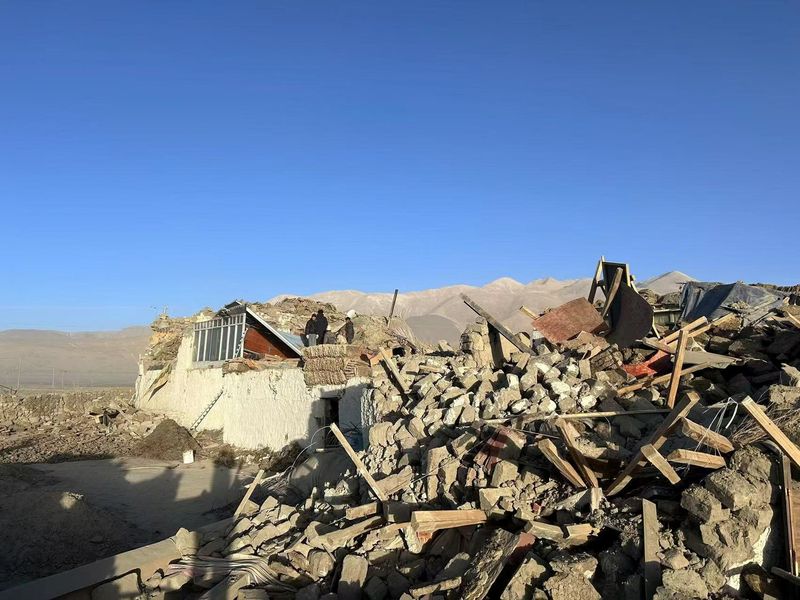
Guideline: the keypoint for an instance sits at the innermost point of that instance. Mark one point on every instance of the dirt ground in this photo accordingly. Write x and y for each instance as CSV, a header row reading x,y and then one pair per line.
x,y
59,516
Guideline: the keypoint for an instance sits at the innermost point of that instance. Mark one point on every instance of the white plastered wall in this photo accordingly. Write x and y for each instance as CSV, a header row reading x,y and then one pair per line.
x,y
272,407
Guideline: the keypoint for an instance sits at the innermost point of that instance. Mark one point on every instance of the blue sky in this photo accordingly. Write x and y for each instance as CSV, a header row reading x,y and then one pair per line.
x,y
184,153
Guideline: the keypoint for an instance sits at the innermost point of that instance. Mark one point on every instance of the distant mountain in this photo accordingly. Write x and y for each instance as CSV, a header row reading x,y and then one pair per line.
x,y
666,283
88,359
439,313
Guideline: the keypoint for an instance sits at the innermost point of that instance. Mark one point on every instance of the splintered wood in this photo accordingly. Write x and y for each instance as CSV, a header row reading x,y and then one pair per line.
x,y
548,448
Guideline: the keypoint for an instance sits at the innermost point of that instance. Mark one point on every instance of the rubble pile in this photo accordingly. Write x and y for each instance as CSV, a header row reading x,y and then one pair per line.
x,y
520,475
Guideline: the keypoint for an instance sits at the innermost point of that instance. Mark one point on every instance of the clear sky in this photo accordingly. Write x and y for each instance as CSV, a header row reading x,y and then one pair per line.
x,y
186,153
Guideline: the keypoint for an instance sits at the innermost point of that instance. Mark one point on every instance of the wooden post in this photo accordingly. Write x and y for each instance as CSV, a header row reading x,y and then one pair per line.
x,y
501,329
612,291
652,566
783,442
657,439
394,301
569,435
676,370
253,485
598,272
362,469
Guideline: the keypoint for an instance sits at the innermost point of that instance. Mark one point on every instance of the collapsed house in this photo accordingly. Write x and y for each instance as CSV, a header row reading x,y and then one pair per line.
x,y
238,371
601,456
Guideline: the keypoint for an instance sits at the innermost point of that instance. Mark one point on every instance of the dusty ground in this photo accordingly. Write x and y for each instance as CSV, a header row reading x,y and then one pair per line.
x,y
58,516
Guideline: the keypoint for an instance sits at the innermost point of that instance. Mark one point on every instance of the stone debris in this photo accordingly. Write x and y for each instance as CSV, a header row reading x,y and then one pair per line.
x,y
503,473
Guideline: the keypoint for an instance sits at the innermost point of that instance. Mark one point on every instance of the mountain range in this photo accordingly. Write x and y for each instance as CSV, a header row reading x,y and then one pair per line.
x,y
45,359
440,314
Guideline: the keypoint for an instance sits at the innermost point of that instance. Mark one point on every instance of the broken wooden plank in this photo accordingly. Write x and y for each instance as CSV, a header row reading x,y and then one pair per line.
x,y
364,510
772,430
690,327
360,467
676,370
521,346
548,448
487,564
657,439
705,436
570,435
789,536
650,535
595,497
655,458
696,459
396,375
661,379
253,485
434,520
340,537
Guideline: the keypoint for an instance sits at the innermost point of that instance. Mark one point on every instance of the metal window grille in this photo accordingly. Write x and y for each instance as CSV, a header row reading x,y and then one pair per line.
x,y
219,339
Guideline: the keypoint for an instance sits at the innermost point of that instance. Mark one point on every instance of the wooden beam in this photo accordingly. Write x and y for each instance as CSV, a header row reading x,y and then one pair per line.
x,y
334,540
548,448
364,510
528,312
786,576
788,514
795,321
362,469
434,520
394,301
598,272
668,339
777,436
705,436
398,377
676,369
652,566
696,459
655,458
487,564
612,291
253,485
501,329
595,496
590,415
657,439
570,435
661,379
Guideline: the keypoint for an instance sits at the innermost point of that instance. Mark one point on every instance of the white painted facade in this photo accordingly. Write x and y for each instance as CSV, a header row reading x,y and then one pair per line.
x,y
265,408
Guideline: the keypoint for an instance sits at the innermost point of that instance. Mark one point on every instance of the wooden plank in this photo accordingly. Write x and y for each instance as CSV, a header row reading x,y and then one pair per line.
x,y
336,539
660,379
657,439
668,339
520,345
434,520
253,485
652,566
789,514
705,436
777,436
570,435
548,448
528,312
590,415
655,458
676,370
786,576
696,459
376,489
598,272
398,377
595,496
793,319
364,510
612,292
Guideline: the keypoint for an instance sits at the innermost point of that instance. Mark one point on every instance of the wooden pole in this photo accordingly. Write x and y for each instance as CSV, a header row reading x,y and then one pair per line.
x,y
394,301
